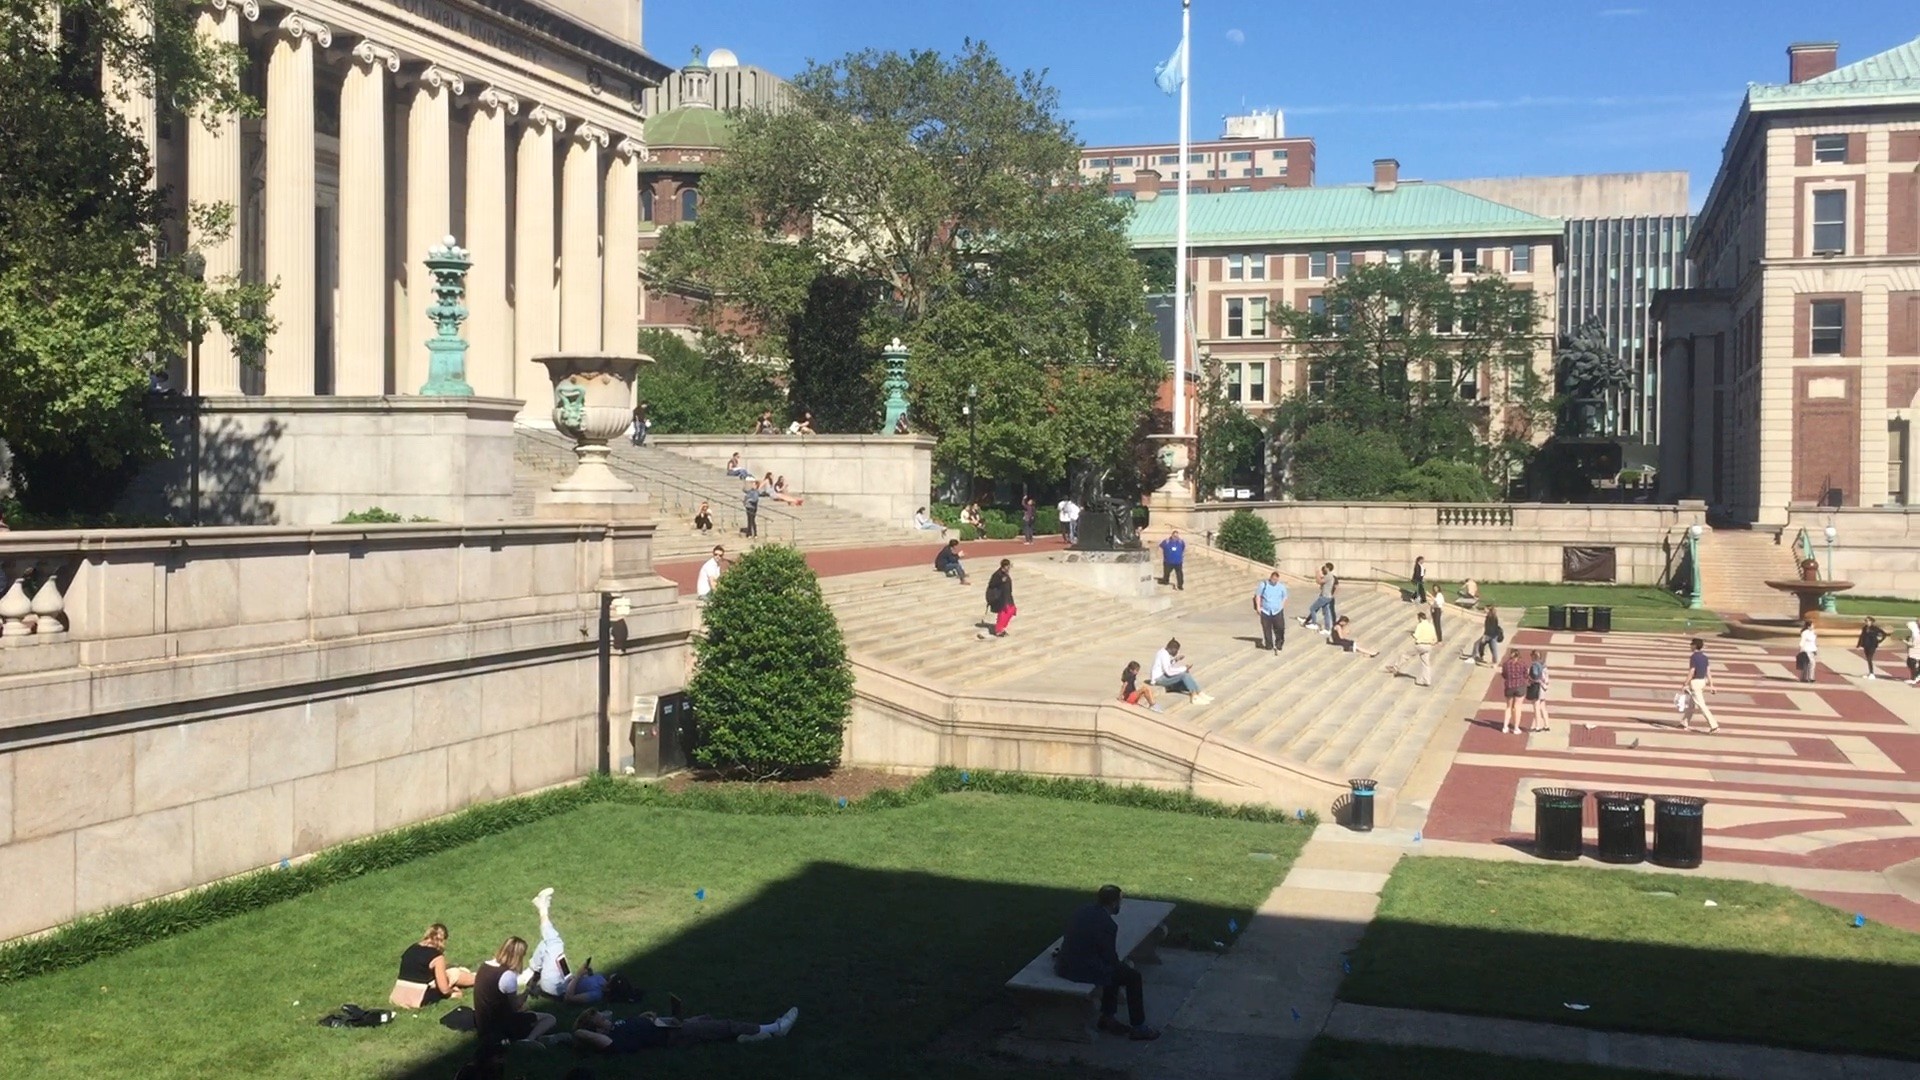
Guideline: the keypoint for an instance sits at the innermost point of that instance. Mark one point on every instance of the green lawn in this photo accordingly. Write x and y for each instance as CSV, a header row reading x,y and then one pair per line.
x,y
1337,1059
1890,610
1641,608
1766,965
885,927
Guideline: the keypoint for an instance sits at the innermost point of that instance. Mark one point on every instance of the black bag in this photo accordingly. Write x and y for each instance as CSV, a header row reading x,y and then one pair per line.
x,y
994,603
620,989
460,1019
355,1016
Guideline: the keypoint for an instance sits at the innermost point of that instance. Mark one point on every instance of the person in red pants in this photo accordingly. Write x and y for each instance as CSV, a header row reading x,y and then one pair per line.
x,y
1000,598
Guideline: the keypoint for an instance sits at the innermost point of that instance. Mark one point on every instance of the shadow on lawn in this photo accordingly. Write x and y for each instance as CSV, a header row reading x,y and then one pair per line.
x,y
880,964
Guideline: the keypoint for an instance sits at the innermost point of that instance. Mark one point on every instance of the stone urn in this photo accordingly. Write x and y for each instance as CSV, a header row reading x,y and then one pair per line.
x,y
592,405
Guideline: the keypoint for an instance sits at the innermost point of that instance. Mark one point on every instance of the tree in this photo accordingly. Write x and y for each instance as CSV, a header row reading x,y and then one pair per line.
x,y
1441,374
771,688
947,187
833,372
1226,440
690,390
90,301
1336,463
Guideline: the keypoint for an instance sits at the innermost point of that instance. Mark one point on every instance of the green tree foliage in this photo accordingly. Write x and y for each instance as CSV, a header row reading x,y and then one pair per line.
x,y
948,187
89,303
1157,267
691,391
833,372
1391,361
1247,535
1227,441
772,688
1444,481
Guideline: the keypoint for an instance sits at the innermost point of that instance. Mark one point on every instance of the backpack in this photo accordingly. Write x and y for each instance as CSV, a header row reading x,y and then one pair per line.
x,y
355,1016
993,596
621,989
460,1019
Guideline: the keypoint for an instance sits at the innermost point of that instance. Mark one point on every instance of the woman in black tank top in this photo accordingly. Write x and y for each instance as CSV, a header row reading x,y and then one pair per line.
x,y
424,976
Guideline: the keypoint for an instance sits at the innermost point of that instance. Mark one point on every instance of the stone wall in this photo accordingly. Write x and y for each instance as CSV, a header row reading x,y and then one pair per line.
x,y
190,704
1878,548
1516,542
314,460
885,477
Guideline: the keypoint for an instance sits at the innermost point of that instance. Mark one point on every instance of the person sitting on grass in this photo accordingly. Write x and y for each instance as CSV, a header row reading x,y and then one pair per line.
x,y
1088,954
1132,692
948,561
500,1013
425,977
596,1029
1341,636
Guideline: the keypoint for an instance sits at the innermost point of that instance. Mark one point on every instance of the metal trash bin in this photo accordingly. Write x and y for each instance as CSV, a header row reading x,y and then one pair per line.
x,y
1678,822
1556,616
1360,807
1623,825
1603,620
1579,617
1556,822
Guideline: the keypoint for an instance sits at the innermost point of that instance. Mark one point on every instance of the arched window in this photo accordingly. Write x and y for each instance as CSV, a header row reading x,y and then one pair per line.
x,y
646,204
689,204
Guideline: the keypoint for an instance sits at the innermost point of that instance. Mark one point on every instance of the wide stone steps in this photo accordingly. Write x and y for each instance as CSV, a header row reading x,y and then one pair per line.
x,y
1735,565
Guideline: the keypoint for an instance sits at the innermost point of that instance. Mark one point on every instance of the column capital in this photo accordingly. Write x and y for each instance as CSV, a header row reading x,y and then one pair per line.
x,y
498,100
631,148
374,54
248,9
542,116
297,26
439,78
592,134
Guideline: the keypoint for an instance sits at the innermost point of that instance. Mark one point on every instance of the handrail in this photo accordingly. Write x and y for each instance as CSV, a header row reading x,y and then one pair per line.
x,y
728,514
1805,543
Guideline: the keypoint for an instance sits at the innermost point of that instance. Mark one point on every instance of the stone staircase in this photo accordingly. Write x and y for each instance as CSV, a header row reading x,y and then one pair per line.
x,y
677,485
1735,565
1312,707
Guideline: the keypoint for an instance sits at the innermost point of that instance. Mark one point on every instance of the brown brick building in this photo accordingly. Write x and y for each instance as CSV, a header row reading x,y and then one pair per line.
x,y
1252,155
1790,375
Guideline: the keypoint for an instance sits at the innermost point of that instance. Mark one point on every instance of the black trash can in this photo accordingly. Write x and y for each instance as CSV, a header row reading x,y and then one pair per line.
x,y
1556,822
1579,616
1677,827
1623,825
1360,809
1556,617
1603,620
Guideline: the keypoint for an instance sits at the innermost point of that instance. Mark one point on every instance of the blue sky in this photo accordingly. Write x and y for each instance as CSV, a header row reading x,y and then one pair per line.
x,y
1452,89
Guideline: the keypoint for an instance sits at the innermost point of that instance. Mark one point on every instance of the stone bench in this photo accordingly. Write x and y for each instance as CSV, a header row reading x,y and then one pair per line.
x,y
1055,1008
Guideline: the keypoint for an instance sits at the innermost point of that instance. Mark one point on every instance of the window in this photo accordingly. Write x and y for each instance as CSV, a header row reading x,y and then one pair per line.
x,y
1236,317
1396,318
1523,258
1247,267
1257,380
1395,256
1234,389
1830,148
690,205
1342,316
1236,268
1169,159
1246,316
1196,159
1240,155
1279,155
1253,172
1247,381
1256,316
1239,187
1098,163
1122,161
1469,260
1317,264
646,204
1317,378
1446,259
1829,320
1897,431
1829,223
1342,263
1317,306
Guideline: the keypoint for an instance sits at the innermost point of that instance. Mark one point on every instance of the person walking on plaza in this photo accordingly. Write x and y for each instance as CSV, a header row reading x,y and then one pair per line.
x,y
1808,658
1491,635
1513,685
1438,599
1913,651
750,499
1027,515
1088,955
1173,558
1323,603
1171,671
1698,685
1870,638
1000,598
1419,579
1070,520
1537,692
1424,640
640,423
1270,603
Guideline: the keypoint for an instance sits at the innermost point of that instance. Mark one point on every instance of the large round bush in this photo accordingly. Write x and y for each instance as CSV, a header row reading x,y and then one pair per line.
x,y
1247,535
771,688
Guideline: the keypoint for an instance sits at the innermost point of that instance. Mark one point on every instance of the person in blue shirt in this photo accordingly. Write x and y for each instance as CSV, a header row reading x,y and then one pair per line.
x,y
1173,554
1088,954
1270,603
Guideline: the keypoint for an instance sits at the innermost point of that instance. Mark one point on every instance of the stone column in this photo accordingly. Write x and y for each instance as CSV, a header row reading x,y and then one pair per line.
x,y
490,328
213,179
534,328
130,99
290,199
361,338
580,240
620,305
429,212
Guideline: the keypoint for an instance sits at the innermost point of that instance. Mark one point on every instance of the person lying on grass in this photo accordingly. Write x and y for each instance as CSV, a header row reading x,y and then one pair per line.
x,y
548,973
596,1029
425,977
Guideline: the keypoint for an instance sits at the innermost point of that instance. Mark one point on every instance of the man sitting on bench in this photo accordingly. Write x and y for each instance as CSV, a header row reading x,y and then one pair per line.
x,y
1088,955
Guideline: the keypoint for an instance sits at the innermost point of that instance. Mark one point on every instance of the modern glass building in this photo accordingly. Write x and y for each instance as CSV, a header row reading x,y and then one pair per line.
x,y
1610,271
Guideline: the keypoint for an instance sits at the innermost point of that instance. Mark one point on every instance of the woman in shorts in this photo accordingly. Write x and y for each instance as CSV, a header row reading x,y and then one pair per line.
x,y
425,977
1513,678
1537,692
1132,692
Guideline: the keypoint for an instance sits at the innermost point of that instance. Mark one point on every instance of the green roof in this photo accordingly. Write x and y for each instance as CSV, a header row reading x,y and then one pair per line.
x,y
690,125
1411,211
1893,75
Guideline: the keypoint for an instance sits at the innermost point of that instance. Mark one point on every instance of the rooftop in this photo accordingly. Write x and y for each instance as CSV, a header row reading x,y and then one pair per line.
x,y
1893,75
690,126
1412,210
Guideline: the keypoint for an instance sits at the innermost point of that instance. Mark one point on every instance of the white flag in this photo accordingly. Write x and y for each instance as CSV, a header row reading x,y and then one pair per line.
x,y
1167,75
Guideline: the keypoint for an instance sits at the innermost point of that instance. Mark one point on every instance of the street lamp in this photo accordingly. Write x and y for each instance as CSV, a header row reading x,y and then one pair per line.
x,y
1827,602
195,264
973,443
1693,565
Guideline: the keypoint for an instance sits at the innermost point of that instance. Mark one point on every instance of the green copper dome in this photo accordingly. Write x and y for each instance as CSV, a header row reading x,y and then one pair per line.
x,y
690,125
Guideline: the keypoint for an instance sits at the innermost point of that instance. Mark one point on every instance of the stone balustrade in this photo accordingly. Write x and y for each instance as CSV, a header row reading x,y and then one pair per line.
x,y
33,597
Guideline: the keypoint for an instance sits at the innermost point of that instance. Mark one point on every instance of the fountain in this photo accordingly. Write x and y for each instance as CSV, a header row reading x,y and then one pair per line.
x,y
1812,591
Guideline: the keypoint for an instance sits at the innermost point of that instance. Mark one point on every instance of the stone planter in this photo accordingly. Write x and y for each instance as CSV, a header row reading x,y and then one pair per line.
x,y
592,404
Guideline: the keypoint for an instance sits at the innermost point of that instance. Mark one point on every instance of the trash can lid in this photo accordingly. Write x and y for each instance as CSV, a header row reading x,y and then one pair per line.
x,y
1619,796
1362,785
1678,800
1554,793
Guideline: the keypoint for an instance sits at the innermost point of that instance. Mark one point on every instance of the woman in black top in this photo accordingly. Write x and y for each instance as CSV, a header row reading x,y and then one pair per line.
x,y
703,518
425,977
500,1011
1491,635
1419,579
1000,598
1870,638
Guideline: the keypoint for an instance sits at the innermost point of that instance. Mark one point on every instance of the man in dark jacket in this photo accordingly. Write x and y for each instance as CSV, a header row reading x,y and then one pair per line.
x,y
1087,954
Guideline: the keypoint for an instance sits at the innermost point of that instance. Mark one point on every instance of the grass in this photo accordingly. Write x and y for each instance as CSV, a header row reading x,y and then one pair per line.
x,y
885,927
1764,966
1338,1059
1884,608
1642,608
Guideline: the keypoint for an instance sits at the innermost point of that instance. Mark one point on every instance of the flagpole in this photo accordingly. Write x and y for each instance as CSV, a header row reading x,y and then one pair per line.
x,y
1180,235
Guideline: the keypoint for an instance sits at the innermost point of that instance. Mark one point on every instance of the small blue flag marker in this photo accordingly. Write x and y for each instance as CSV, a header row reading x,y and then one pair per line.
x,y
1233,926
843,802
699,894
1295,1012
1859,920
1416,836
965,777
284,864
1346,966
1300,815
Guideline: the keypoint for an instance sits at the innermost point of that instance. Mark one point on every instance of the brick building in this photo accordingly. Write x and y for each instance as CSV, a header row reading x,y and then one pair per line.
x,y
1790,374
1253,154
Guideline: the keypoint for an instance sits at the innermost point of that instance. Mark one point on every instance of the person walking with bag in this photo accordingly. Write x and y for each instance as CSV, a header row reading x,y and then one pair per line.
x,y
1870,638
1000,599
1807,660
1698,685
1419,579
1270,603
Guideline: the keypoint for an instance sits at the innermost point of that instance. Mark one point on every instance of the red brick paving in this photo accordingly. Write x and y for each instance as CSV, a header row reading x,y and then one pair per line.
x,y
834,563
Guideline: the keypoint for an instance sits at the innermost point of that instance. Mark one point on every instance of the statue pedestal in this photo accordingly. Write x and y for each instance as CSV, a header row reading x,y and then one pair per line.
x,y
1171,505
608,506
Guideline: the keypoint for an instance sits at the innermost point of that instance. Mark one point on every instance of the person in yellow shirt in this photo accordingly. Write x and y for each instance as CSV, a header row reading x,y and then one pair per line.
x,y
1424,639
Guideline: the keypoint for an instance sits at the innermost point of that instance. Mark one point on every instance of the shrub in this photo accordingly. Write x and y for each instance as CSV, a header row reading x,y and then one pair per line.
x,y
772,687
1000,530
1247,535
372,515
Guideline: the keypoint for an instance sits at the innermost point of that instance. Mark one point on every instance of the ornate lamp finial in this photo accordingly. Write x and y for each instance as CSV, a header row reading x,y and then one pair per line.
x,y
448,262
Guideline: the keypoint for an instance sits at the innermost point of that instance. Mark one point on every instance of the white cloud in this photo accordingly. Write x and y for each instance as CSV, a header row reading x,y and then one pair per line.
x,y
1237,36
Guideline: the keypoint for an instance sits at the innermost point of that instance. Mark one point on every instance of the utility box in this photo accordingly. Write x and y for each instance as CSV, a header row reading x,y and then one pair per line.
x,y
660,735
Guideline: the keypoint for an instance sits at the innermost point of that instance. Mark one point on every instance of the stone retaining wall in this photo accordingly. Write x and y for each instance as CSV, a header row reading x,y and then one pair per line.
x,y
885,477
